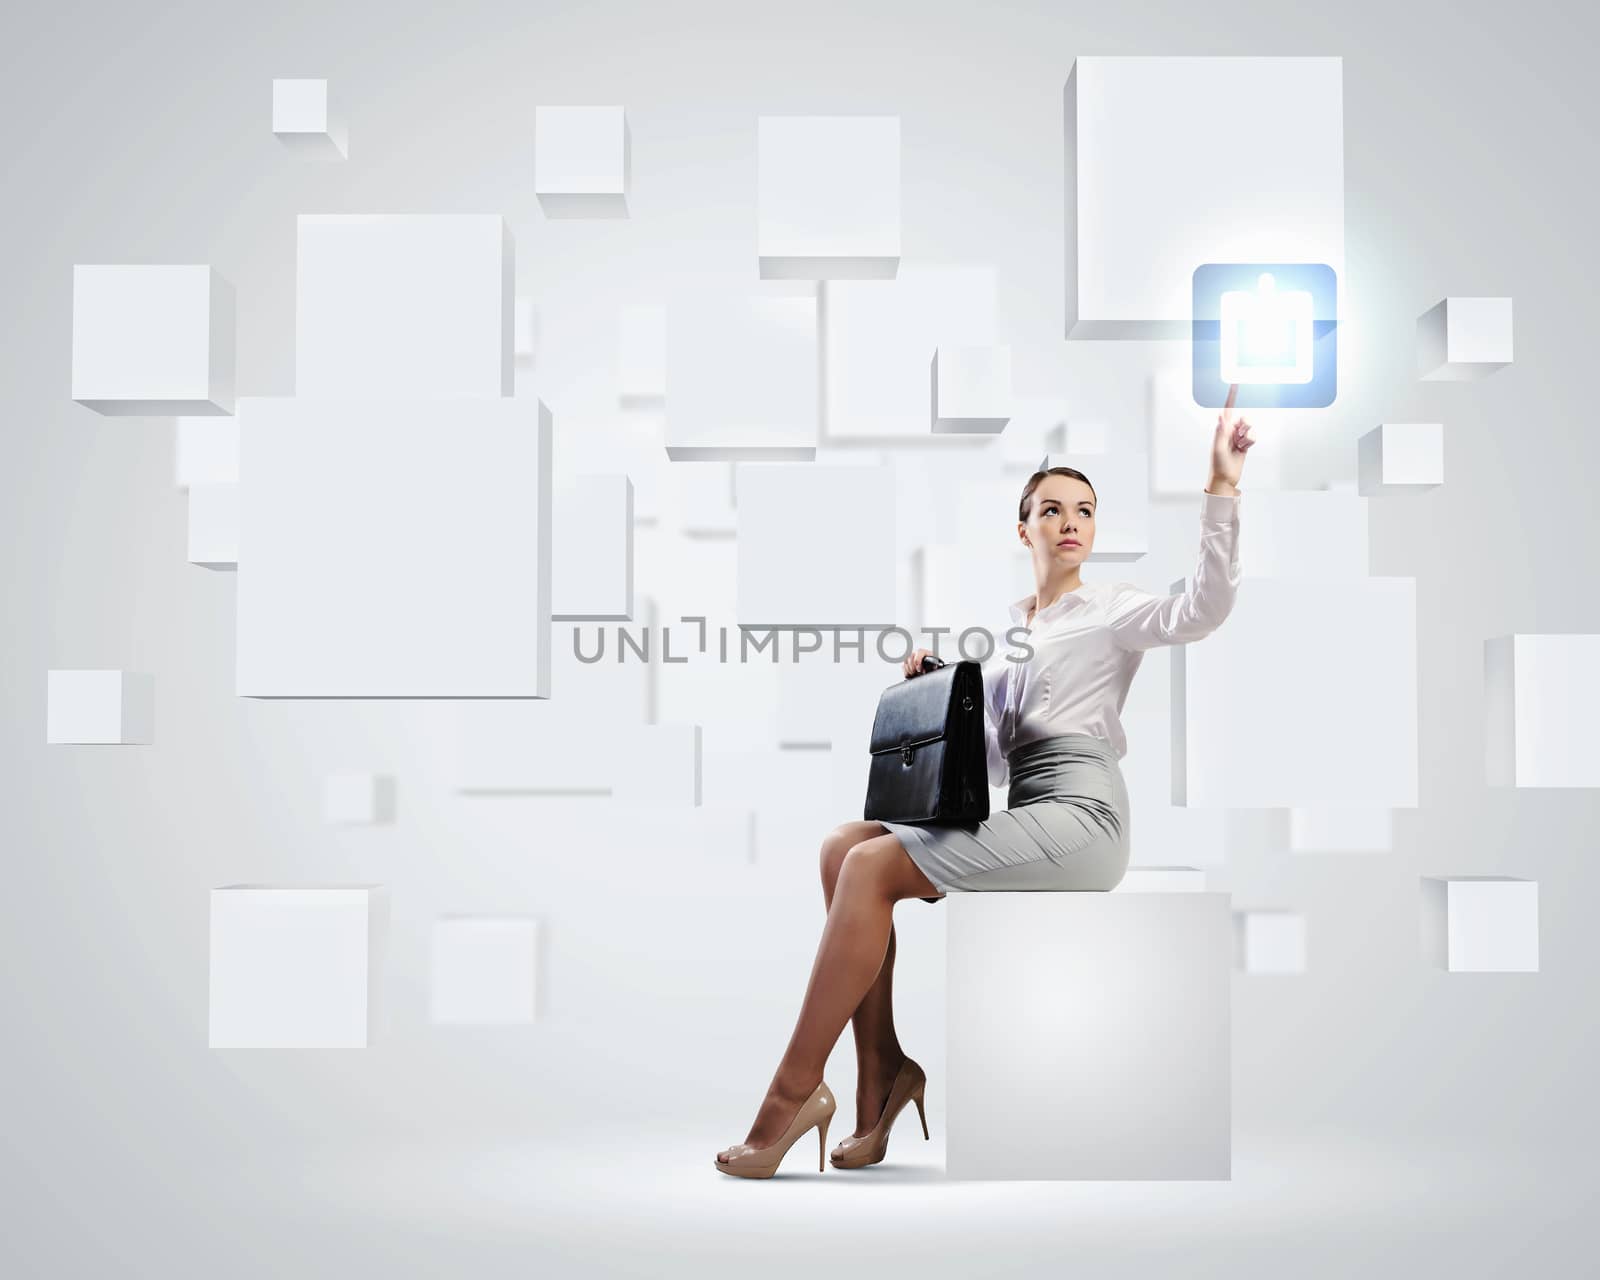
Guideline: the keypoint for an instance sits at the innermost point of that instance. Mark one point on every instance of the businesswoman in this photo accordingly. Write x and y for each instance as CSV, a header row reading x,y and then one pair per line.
x,y
1052,729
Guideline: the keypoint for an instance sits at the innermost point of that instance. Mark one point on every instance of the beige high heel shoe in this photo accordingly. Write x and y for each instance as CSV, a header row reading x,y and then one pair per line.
x,y
762,1162
871,1147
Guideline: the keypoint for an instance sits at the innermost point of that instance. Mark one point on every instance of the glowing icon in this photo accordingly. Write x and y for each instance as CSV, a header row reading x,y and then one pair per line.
x,y
1269,328
1266,335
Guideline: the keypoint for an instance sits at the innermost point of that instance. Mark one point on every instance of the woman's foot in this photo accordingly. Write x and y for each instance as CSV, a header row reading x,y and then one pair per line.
x,y
874,1079
778,1110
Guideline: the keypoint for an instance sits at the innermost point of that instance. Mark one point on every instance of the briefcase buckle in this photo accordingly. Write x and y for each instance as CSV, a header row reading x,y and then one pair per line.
x,y
906,753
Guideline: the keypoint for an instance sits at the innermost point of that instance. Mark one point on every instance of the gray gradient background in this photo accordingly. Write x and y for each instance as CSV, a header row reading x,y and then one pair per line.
x,y
1388,1117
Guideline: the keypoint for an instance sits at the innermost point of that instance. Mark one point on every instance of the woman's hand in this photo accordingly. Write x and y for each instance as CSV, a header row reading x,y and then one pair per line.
x,y
912,666
1228,446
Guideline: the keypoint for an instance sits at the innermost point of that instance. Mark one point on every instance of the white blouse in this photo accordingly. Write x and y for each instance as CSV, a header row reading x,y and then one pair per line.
x,y
1088,644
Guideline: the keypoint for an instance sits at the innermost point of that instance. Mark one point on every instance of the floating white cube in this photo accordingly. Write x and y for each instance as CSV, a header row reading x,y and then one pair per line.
x,y
880,337
358,799
1541,696
971,389
206,451
1305,696
1270,941
780,545
154,340
1481,924
593,551
1342,830
100,707
404,305
1401,457
1138,129
663,769
303,119
828,197
214,526
581,161
485,970
395,548
1462,339
1115,1063
742,378
296,967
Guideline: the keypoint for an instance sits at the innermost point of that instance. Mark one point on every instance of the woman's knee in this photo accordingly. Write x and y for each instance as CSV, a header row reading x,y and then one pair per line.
x,y
835,845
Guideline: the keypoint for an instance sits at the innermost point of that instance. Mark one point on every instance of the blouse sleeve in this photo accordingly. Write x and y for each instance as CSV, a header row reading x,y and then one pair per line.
x,y
1141,619
994,693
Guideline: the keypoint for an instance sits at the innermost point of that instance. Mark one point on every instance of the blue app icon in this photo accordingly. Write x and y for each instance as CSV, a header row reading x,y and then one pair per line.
x,y
1269,328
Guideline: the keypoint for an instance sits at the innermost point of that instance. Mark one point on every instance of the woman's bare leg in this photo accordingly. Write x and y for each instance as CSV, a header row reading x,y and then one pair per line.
x,y
878,1051
876,874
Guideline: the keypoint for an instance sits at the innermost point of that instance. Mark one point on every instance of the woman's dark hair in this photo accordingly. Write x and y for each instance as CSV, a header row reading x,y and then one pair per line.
x,y
1038,476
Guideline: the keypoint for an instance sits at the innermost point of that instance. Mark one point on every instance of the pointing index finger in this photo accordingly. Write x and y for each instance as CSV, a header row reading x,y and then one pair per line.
x,y
1233,391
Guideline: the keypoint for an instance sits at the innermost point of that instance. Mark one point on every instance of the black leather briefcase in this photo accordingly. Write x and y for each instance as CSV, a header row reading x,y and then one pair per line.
x,y
928,760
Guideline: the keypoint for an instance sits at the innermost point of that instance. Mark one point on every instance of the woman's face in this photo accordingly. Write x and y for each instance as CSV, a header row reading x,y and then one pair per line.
x,y
1060,524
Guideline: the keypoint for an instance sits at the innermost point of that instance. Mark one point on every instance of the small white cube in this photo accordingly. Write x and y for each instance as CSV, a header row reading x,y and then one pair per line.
x,y
214,526
485,970
1110,1057
1270,941
206,451
581,161
296,966
1481,924
971,389
100,707
303,120
152,340
1400,457
828,197
359,799
1461,339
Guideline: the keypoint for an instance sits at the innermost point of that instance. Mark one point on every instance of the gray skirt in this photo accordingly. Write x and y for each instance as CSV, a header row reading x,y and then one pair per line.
x,y
1065,827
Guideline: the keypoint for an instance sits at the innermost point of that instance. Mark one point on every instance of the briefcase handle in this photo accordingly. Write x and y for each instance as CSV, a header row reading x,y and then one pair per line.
x,y
930,663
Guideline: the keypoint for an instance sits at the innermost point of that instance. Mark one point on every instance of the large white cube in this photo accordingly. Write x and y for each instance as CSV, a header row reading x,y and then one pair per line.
x,y
593,552
1305,696
1270,941
154,340
394,549
971,389
581,161
485,970
1481,924
1541,697
296,966
1401,457
1462,339
828,197
1140,129
214,526
304,119
404,305
1306,534
100,707
1089,1036
742,378
793,517
1162,880
879,338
